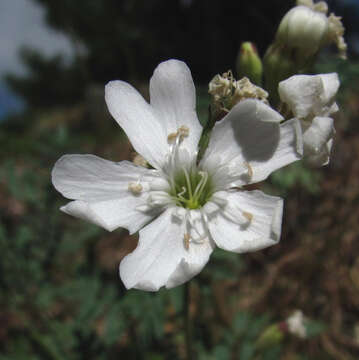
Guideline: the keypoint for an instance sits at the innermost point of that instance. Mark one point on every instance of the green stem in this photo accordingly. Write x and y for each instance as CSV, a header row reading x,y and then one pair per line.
x,y
206,132
188,323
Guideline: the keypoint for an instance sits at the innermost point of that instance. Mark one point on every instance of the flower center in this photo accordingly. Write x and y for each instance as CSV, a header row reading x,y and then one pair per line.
x,y
191,189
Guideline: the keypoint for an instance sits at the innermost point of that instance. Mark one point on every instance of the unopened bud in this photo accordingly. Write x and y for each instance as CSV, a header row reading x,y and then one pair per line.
x,y
303,29
249,63
272,335
307,28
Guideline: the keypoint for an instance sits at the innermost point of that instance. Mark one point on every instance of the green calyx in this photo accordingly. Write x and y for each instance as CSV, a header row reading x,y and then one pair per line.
x,y
191,189
249,64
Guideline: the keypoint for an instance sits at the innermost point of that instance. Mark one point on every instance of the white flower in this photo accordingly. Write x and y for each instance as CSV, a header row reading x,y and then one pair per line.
x,y
311,99
181,209
296,325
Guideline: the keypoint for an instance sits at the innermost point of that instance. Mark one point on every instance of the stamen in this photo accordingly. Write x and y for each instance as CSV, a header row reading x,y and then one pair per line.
x,y
171,138
201,184
135,187
180,195
183,131
249,169
186,240
188,182
247,215
140,161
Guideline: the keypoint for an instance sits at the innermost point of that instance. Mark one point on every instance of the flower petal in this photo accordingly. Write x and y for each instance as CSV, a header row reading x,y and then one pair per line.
x,y
173,97
289,149
317,134
263,228
138,120
309,95
251,134
243,131
322,157
317,140
101,190
331,85
302,93
161,258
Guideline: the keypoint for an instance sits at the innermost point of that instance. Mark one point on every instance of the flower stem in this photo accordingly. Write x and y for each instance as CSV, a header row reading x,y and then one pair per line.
x,y
188,323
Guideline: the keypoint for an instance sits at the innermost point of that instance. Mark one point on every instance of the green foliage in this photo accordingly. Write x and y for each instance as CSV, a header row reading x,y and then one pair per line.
x,y
239,341
296,174
60,302
64,305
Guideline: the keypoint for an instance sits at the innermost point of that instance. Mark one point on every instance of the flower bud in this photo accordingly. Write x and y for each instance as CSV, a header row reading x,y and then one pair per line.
x,y
303,29
307,28
249,63
272,335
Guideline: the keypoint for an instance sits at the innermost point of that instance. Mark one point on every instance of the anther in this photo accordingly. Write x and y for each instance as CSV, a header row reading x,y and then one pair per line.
x,y
135,187
248,216
183,131
249,169
186,240
140,161
202,183
171,138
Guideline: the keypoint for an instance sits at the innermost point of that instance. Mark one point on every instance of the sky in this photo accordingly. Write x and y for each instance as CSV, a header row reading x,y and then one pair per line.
x,y
22,23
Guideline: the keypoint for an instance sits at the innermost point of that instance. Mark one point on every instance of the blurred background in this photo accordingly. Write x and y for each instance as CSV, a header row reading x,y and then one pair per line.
x,y
60,293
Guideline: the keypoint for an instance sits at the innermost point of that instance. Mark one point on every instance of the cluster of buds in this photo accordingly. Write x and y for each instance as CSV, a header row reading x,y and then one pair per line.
x,y
302,33
306,29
